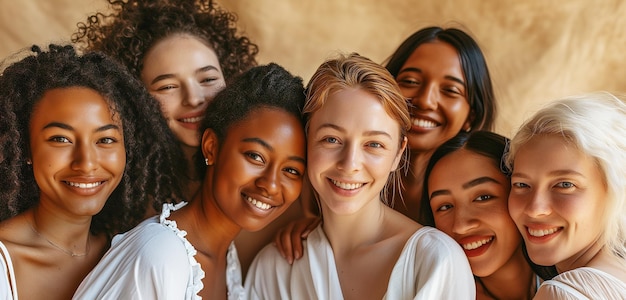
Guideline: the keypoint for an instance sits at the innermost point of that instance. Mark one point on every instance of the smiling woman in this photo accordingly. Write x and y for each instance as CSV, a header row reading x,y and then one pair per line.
x,y
80,163
568,195
253,161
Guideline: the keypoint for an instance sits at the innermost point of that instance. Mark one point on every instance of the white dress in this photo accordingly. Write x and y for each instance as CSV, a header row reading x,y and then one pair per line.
x,y
583,283
154,261
8,289
431,266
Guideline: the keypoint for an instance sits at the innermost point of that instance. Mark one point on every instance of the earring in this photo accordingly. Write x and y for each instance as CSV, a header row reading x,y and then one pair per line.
x,y
206,161
468,129
29,162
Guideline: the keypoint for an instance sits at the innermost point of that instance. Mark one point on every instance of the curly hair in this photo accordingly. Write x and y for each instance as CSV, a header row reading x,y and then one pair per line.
x,y
135,26
149,177
268,86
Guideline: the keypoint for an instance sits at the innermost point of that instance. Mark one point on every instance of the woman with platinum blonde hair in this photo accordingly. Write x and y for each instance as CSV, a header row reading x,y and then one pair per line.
x,y
568,195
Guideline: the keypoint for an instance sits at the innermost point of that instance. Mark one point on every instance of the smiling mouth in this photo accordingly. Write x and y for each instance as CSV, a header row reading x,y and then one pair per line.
x,y
542,232
257,203
346,186
191,120
477,244
84,185
424,123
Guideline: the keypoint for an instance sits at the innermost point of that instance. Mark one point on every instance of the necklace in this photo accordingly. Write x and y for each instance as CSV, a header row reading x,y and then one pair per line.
x,y
68,252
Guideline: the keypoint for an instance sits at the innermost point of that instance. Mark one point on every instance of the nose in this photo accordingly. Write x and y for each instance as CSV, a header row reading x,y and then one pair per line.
x,y
351,158
538,205
426,98
464,220
85,158
268,181
193,95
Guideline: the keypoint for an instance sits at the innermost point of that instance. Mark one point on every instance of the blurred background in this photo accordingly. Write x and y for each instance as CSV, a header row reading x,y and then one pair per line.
x,y
536,50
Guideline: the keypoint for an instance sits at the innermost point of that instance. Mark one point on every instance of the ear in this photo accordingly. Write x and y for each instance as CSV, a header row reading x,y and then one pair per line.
x,y
398,159
209,146
467,126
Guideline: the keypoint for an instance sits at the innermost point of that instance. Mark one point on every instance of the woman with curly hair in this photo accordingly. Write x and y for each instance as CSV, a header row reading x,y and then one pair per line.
x,y
79,163
184,51
253,161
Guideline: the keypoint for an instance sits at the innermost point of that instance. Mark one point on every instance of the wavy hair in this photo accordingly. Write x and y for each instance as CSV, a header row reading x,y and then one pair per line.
x,y
134,26
149,177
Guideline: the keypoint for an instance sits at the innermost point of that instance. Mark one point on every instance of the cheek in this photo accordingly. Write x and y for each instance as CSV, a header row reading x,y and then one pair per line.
x,y
444,223
167,103
458,112
292,190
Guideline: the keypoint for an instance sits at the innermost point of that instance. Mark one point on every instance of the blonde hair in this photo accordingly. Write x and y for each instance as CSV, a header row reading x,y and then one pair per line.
x,y
356,71
596,125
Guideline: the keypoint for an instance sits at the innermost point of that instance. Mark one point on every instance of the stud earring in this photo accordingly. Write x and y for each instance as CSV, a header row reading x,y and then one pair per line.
x,y
206,161
29,162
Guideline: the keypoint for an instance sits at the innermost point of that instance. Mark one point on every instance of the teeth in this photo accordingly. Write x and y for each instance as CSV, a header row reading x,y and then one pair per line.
x,y
474,245
84,185
347,186
258,203
191,120
424,123
541,232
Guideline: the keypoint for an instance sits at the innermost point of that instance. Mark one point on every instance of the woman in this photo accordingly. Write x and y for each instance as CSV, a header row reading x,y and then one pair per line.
x,y
253,149
80,163
357,122
467,191
568,195
444,76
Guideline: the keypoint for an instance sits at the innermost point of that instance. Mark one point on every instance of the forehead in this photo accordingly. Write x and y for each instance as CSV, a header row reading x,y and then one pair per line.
x,y
269,122
465,164
356,109
438,54
74,105
178,52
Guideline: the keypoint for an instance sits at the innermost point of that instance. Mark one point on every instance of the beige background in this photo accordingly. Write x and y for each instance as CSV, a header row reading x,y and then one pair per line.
x,y
537,50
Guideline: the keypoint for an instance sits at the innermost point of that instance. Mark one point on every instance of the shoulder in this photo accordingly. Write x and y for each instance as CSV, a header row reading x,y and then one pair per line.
x,y
583,283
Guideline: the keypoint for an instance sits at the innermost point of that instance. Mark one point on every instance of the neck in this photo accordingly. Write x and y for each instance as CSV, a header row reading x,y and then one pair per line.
x,y
583,258
64,233
413,184
514,280
209,230
340,229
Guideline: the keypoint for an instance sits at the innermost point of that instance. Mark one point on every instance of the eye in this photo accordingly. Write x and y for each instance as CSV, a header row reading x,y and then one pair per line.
x,y
293,171
331,140
520,185
565,185
483,198
107,140
409,82
255,156
59,139
208,79
375,145
166,87
444,207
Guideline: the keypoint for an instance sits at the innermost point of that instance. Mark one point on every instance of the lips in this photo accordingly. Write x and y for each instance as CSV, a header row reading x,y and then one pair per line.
x,y
259,204
346,185
84,185
423,123
476,245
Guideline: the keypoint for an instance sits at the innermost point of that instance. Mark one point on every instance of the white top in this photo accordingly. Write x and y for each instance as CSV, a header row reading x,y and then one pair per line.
x,y
154,261
8,288
583,283
431,266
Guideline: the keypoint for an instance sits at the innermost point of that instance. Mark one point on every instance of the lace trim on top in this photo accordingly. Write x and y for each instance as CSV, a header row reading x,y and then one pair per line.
x,y
234,281
198,273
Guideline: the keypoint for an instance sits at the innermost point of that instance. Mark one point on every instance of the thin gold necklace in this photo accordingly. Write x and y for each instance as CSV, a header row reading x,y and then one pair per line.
x,y
68,252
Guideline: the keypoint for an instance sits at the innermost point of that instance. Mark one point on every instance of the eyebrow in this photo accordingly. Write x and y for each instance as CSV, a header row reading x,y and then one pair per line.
x,y
467,185
552,173
418,70
270,148
367,133
70,128
171,75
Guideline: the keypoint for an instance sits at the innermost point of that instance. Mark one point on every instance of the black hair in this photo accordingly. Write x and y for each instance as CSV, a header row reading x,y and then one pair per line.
x,y
267,86
149,177
478,82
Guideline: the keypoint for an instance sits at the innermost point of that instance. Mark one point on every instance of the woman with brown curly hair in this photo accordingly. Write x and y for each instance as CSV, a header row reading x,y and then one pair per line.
x,y
184,51
79,163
